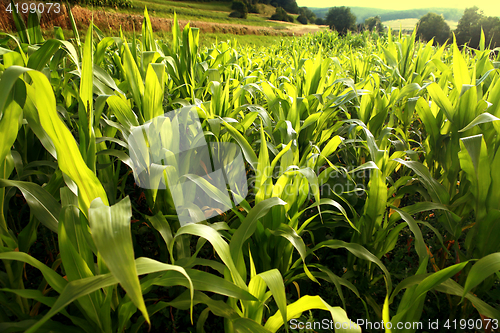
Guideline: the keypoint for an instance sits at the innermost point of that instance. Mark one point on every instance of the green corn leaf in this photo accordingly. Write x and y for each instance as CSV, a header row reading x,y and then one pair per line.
x,y
475,163
78,288
249,225
360,252
7,82
441,100
73,25
420,246
134,79
122,111
105,43
41,57
247,149
111,233
494,99
53,279
86,83
263,172
153,103
220,246
9,126
219,308
377,199
147,32
436,190
42,205
481,270
202,281
161,224
460,71
453,288
58,33
245,325
34,29
69,159
74,265
306,303
329,276
430,122
290,234
481,119
20,26
214,192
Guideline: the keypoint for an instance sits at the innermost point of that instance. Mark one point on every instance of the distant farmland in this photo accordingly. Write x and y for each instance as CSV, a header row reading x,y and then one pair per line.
x,y
362,13
410,23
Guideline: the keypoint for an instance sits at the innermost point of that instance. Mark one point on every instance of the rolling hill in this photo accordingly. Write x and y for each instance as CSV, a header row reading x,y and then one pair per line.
x,y
362,13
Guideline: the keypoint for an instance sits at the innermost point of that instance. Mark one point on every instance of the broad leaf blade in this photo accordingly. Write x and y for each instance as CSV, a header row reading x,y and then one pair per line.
x,y
111,233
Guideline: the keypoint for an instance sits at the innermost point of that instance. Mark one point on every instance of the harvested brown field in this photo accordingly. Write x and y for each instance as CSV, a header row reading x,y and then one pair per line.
x,y
113,21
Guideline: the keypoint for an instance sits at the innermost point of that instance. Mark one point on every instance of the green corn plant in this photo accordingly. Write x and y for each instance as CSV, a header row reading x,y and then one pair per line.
x,y
249,311
181,59
310,114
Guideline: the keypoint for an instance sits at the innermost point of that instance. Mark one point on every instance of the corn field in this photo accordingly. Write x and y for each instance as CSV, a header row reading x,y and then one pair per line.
x,y
373,174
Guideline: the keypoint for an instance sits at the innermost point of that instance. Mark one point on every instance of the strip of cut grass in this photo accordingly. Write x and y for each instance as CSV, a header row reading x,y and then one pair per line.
x,y
206,39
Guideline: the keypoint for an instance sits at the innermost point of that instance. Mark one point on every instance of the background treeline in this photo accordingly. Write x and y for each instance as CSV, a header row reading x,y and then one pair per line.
x,y
362,13
288,5
283,8
474,29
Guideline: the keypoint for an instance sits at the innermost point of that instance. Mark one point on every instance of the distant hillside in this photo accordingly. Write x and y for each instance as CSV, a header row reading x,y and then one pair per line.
x,y
362,13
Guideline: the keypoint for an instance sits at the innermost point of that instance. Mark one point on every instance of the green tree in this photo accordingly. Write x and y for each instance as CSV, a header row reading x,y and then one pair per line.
x,y
470,25
374,23
308,14
491,29
302,19
434,26
320,21
289,5
341,19
281,15
467,24
240,9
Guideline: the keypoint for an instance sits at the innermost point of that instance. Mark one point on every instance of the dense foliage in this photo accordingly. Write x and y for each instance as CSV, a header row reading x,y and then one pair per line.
x,y
374,24
341,19
470,26
288,5
240,9
372,166
281,15
432,26
320,21
302,19
308,14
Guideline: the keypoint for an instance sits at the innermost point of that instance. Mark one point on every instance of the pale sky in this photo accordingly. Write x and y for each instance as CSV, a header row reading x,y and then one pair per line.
x,y
489,7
